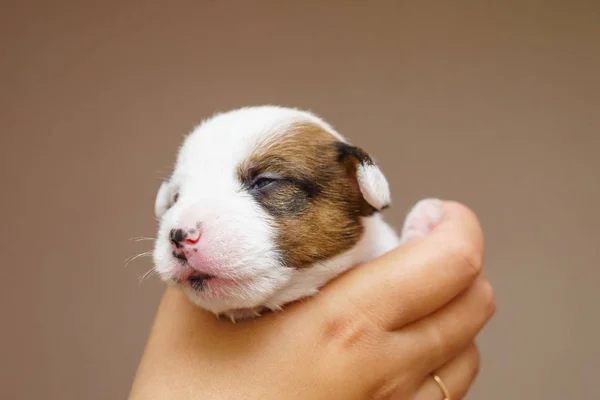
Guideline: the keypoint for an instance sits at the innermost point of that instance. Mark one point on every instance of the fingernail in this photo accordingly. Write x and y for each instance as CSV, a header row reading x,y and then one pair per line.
x,y
423,218
434,209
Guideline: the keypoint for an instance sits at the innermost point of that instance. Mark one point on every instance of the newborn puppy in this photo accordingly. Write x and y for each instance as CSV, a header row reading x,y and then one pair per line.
x,y
265,205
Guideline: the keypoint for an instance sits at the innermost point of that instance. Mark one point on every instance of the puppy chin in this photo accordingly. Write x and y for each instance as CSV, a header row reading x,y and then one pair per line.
x,y
222,296
222,291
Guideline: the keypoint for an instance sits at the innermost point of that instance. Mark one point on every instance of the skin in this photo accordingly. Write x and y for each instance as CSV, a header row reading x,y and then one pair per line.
x,y
377,332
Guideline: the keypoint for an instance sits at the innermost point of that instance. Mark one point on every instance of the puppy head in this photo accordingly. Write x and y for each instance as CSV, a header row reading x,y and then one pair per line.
x,y
256,194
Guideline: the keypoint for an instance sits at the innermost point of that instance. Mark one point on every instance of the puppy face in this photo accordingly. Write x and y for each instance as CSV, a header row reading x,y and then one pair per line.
x,y
256,195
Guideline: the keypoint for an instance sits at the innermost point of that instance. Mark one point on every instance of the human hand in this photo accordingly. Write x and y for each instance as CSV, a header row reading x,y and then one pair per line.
x,y
377,332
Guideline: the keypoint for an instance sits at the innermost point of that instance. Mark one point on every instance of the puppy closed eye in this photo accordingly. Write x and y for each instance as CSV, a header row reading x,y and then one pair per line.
x,y
265,181
262,183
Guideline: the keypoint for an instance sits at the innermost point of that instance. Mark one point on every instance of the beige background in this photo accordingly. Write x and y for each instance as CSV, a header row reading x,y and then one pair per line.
x,y
495,104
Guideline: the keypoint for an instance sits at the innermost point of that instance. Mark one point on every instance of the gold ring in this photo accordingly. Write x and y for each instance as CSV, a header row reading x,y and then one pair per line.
x,y
442,387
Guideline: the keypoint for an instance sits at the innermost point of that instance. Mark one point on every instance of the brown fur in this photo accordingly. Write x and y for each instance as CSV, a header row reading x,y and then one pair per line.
x,y
318,205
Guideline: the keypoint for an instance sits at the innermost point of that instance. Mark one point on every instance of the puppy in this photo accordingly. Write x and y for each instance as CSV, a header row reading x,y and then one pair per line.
x,y
267,204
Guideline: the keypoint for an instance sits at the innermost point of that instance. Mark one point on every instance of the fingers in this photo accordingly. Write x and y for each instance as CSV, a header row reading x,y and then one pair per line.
x,y
415,279
439,337
457,376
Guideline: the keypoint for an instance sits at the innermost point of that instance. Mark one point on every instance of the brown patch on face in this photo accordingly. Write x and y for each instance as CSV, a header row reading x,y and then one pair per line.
x,y
315,199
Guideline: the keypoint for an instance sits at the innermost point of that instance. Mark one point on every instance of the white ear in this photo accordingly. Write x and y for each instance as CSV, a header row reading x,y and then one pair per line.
x,y
373,185
371,181
163,200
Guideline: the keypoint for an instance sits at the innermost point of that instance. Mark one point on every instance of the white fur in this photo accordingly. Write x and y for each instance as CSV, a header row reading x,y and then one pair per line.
x,y
374,186
378,239
238,239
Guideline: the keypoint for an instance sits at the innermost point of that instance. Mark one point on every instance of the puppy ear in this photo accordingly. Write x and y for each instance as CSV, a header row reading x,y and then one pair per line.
x,y
164,199
371,181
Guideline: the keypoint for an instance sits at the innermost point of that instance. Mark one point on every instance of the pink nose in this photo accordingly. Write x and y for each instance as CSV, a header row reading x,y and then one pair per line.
x,y
183,242
179,237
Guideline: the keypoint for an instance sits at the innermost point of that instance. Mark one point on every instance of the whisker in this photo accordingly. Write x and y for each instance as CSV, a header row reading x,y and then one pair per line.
x,y
141,239
146,275
131,259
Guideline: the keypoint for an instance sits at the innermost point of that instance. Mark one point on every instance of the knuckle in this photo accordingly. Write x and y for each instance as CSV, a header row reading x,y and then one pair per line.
x,y
489,296
470,251
468,257
385,391
349,331
440,345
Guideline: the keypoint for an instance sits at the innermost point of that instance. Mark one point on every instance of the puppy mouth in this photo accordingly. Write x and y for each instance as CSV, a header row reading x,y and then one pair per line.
x,y
192,276
181,258
197,281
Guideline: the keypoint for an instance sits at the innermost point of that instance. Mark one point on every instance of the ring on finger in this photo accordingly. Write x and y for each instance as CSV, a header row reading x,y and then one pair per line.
x,y
440,383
